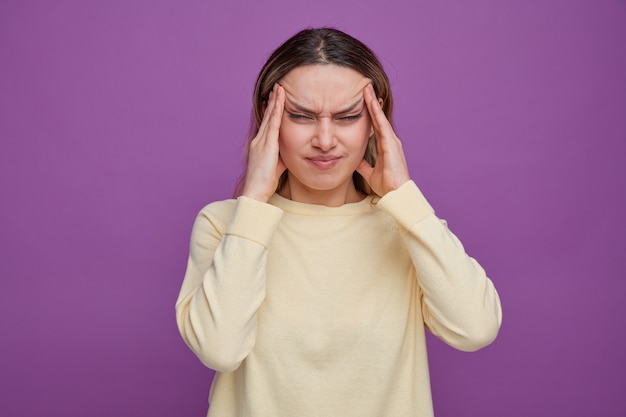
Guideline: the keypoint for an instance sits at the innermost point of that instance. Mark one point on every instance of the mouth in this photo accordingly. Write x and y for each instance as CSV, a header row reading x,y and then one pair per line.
x,y
324,161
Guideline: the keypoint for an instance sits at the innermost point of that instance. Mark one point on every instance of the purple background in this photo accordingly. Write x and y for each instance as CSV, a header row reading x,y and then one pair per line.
x,y
120,119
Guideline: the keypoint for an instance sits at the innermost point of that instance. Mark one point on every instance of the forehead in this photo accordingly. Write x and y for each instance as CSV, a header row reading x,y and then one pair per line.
x,y
323,87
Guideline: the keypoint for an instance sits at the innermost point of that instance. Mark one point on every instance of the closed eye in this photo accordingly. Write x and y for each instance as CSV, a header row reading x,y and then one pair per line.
x,y
296,116
351,117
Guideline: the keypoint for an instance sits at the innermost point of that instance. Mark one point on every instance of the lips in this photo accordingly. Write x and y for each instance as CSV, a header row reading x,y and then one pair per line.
x,y
324,161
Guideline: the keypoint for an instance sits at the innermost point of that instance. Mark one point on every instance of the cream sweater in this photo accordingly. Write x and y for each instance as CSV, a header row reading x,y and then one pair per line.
x,y
307,310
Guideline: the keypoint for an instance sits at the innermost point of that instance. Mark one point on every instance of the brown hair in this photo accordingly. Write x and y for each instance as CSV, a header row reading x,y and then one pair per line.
x,y
320,46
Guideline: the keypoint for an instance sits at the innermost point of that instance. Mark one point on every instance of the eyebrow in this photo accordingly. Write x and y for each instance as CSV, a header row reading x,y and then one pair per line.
x,y
303,109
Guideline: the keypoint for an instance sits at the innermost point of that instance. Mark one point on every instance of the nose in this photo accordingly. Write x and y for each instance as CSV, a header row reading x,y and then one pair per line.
x,y
324,137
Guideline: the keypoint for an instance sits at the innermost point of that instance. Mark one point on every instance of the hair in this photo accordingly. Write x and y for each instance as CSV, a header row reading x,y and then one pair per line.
x,y
319,46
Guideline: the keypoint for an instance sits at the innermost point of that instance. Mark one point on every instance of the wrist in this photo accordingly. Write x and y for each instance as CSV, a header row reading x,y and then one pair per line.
x,y
261,197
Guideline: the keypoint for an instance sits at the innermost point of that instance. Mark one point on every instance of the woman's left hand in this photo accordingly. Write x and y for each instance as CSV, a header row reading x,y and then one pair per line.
x,y
390,170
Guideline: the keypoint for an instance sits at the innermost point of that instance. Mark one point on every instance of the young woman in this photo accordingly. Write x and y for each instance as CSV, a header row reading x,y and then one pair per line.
x,y
310,293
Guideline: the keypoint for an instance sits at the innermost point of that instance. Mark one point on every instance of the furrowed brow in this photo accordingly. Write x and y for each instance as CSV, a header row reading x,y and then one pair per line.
x,y
305,110
299,107
350,108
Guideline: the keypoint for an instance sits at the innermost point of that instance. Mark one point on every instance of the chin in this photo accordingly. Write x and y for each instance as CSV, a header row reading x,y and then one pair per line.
x,y
327,186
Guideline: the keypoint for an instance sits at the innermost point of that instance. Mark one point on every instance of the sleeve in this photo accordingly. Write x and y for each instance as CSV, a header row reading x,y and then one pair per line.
x,y
460,304
224,283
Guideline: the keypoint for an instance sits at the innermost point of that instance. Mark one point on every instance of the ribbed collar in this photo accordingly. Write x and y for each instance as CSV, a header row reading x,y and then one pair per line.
x,y
305,209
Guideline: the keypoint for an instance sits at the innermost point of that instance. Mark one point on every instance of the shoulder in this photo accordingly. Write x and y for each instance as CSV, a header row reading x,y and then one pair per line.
x,y
216,215
407,205
219,208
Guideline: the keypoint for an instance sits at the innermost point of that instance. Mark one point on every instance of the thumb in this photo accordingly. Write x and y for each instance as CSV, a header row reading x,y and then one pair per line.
x,y
365,169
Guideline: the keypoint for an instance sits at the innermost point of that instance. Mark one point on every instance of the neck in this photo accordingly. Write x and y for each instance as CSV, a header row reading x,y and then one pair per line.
x,y
331,198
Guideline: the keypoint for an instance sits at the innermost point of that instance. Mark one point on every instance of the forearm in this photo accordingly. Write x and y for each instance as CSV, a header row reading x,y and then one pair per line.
x,y
459,303
216,311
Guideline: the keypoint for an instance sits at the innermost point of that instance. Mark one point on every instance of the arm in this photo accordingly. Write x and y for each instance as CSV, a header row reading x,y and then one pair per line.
x,y
459,303
224,285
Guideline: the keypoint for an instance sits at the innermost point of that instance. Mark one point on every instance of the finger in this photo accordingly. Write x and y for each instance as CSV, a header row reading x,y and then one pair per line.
x,y
381,125
267,112
374,110
271,128
276,115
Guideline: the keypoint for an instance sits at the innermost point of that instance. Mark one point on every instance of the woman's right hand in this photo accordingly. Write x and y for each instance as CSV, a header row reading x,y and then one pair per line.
x,y
265,165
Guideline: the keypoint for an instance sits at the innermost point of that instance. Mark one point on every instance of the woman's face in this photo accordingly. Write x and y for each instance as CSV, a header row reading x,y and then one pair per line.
x,y
324,133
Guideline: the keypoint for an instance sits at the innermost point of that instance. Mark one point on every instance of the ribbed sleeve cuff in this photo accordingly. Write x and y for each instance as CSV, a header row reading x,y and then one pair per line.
x,y
254,220
407,205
